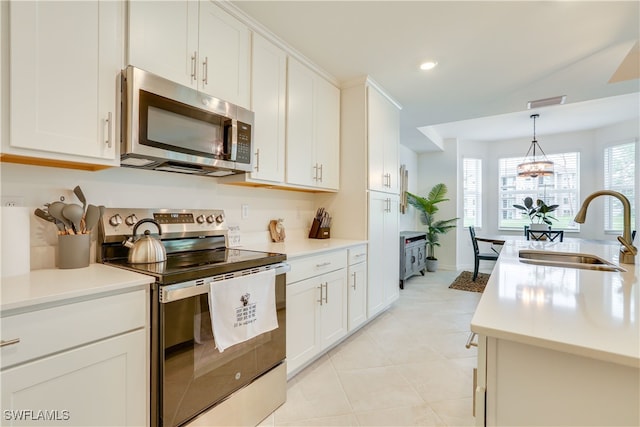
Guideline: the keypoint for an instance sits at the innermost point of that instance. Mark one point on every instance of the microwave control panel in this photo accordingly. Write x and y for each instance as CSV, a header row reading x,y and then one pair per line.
x,y
243,153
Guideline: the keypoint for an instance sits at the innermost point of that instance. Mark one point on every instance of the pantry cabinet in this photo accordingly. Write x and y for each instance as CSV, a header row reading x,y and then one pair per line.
x,y
313,129
194,43
96,374
64,63
316,306
383,124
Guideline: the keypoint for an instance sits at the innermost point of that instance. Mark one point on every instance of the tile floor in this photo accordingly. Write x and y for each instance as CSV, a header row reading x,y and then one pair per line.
x,y
408,367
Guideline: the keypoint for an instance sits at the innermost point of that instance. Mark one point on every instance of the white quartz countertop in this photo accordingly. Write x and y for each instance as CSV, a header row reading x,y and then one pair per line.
x,y
300,247
584,312
52,286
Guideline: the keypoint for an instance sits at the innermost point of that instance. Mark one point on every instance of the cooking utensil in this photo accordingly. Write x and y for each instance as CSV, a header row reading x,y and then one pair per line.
x,y
55,210
91,218
47,217
80,195
146,249
74,213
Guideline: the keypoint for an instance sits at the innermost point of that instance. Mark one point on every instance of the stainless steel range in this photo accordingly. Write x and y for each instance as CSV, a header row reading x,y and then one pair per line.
x,y
190,378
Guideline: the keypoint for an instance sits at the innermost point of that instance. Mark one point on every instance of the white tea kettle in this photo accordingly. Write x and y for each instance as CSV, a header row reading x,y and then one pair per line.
x,y
146,249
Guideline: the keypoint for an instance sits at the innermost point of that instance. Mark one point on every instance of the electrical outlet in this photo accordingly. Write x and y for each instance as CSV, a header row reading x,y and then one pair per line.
x,y
12,201
244,212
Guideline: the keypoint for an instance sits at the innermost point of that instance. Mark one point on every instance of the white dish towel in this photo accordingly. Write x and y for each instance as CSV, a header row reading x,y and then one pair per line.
x,y
242,308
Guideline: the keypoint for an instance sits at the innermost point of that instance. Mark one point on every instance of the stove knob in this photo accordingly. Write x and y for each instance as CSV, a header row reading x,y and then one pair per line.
x,y
220,219
210,219
200,219
131,220
115,220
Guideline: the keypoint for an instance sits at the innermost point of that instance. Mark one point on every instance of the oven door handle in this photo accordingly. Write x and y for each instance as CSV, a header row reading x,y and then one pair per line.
x,y
180,291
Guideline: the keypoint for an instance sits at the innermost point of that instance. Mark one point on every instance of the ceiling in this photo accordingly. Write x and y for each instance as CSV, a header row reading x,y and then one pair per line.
x,y
493,57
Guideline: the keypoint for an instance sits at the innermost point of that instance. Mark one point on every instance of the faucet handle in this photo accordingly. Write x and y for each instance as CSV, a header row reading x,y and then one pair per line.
x,y
628,245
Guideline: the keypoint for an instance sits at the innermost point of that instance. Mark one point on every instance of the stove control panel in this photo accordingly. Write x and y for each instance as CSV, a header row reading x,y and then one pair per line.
x,y
117,223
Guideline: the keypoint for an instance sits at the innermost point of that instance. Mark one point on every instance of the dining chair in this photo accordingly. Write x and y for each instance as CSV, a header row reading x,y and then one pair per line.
x,y
486,256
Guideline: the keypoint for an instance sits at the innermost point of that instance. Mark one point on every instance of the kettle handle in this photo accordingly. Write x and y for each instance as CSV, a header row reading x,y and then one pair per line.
x,y
142,221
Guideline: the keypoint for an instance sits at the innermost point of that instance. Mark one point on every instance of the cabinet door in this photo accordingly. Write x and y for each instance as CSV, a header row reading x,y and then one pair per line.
x,y
64,65
163,38
102,383
268,102
333,307
378,205
224,55
303,326
301,167
327,138
391,250
357,295
383,134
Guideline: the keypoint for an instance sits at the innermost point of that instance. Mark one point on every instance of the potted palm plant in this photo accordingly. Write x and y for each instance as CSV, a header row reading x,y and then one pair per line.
x,y
428,208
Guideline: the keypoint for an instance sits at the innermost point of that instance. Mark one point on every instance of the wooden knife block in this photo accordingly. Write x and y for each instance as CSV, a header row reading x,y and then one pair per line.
x,y
318,232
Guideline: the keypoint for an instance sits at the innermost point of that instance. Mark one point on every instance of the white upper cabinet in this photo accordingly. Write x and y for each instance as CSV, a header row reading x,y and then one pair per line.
x,y
313,129
65,60
268,102
384,139
193,43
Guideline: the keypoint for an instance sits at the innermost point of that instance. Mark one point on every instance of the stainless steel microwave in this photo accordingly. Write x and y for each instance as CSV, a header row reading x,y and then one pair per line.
x,y
174,128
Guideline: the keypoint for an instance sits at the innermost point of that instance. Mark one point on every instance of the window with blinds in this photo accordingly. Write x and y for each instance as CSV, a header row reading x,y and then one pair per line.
x,y
620,176
562,188
472,192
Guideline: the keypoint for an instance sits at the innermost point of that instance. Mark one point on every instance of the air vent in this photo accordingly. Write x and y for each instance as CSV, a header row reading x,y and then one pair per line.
x,y
556,100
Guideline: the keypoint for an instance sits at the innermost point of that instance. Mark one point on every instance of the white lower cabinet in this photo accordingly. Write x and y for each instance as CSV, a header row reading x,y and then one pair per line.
x,y
316,306
521,384
79,364
357,287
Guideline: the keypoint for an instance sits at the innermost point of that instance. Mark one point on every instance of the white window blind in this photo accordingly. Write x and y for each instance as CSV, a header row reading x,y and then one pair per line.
x,y
472,183
620,176
562,188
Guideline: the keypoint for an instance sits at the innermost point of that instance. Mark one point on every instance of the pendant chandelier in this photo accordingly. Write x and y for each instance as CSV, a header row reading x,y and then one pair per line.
x,y
532,167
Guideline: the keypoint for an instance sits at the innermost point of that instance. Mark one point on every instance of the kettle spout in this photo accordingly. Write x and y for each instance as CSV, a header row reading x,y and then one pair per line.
x,y
128,243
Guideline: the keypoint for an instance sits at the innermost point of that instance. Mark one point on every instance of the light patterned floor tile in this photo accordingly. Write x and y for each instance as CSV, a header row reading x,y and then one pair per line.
x,y
419,415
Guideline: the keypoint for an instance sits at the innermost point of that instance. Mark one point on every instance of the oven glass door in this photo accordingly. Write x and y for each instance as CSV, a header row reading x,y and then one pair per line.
x,y
194,374
177,127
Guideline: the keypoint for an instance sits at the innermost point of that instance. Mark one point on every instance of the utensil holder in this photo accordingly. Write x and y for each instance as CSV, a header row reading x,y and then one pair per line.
x,y
74,250
318,232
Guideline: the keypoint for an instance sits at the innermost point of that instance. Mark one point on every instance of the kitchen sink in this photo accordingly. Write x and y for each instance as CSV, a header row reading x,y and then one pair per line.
x,y
567,259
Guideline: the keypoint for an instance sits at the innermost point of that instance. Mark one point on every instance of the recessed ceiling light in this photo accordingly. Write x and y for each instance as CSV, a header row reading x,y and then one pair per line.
x,y
429,65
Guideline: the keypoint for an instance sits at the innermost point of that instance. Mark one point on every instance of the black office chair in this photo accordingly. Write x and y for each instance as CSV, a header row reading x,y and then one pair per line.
x,y
487,256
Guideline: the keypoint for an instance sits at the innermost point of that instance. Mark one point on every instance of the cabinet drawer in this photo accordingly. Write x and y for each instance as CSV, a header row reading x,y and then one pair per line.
x,y
55,329
357,254
303,268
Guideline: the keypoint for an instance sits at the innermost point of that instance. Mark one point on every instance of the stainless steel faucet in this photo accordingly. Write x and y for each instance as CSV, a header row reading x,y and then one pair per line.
x,y
627,251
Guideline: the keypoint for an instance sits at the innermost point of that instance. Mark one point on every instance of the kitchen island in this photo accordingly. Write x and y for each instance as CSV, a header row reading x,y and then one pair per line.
x,y
558,345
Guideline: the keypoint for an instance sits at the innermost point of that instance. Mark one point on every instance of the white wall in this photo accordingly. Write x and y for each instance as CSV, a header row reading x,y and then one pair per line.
x,y
590,144
434,168
122,187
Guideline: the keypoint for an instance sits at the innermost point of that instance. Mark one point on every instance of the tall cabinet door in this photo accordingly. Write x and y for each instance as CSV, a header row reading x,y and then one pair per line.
x,y
163,39
391,249
268,102
383,131
328,134
65,60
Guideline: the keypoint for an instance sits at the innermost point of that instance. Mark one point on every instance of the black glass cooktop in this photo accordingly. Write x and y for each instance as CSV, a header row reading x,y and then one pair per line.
x,y
185,266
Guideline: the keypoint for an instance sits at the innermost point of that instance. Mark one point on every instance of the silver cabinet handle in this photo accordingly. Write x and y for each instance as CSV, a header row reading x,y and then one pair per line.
x,y
257,154
315,172
194,66
205,70
354,280
321,174
108,123
4,343
324,264
320,287
326,293
470,342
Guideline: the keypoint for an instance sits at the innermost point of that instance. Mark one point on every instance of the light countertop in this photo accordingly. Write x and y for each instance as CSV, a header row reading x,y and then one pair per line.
x,y
301,247
584,312
52,286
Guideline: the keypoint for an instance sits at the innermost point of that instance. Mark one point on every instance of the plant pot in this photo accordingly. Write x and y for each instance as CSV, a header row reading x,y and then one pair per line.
x,y
432,264
539,227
